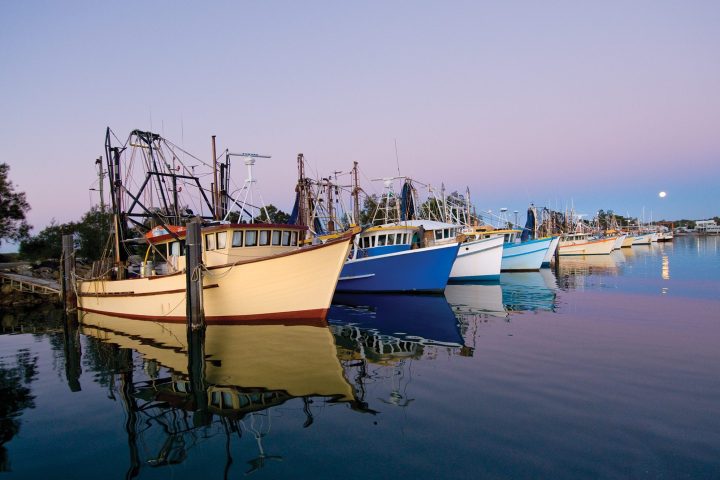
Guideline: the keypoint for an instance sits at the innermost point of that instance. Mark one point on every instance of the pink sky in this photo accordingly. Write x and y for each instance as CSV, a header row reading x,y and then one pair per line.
x,y
603,105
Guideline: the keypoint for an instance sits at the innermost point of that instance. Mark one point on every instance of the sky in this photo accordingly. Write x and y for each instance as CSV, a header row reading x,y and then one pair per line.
x,y
598,105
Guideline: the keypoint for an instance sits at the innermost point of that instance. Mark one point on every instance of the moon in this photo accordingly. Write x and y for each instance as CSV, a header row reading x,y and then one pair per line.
x,y
662,194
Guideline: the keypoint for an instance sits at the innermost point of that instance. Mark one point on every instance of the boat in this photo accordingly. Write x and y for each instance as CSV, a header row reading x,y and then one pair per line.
x,y
524,256
249,271
666,236
584,244
247,277
551,251
388,258
620,241
478,259
643,239
628,241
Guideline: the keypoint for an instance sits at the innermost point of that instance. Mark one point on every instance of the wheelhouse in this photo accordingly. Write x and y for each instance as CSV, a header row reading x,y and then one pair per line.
x,y
221,244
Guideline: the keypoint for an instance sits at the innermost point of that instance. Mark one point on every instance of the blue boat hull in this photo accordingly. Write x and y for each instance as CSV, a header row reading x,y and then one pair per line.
x,y
424,270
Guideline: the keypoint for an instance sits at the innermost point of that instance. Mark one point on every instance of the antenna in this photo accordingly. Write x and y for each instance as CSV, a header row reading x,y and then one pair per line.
x,y
397,159
248,186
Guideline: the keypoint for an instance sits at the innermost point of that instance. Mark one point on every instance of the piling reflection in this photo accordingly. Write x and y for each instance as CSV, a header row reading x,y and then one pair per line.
x,y
244,371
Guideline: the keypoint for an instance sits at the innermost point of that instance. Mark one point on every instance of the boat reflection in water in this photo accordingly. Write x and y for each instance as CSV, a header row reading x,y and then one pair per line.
x,y
589,264
529,291
470,300
420,319
379,336
247,370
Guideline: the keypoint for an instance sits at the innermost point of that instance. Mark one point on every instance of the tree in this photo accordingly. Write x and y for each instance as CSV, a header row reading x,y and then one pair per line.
x,y
91,232
275,215
13,207
370,204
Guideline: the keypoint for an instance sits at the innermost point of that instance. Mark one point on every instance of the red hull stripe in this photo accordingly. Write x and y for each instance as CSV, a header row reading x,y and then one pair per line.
x,y
304,317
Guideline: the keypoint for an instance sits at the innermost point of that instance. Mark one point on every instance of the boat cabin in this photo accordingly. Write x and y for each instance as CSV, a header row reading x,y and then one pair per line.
x,y
509,236
385,239
435,233
221,244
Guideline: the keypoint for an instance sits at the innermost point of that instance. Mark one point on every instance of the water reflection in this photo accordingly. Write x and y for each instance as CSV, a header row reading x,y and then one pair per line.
x,y
421,319
379,336
468,301
16,375
665,267
529,291
243,372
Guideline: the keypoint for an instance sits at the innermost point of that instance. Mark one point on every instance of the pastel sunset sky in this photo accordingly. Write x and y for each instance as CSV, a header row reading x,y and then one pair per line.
x,y
598,104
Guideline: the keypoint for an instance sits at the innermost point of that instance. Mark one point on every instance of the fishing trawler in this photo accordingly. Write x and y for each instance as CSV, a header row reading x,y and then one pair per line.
x,y
584,244
250,271
517,256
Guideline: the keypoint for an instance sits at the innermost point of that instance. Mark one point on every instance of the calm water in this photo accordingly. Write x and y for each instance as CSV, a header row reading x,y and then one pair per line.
x,y
608,367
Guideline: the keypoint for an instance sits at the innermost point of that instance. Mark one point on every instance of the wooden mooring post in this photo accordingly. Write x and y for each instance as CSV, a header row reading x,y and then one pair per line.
x,y
193,275
68,277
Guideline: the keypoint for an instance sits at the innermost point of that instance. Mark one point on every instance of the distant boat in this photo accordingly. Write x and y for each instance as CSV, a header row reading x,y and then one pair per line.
x,y
643,239
584,244
665,236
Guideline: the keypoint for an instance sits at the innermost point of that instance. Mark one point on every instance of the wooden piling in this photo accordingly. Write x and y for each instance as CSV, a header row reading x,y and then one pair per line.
x,y
68,280
193,274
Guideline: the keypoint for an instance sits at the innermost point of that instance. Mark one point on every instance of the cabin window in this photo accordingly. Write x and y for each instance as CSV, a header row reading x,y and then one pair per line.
x,y
276,237
210,241
215,399
294,239
175,249
391,239
251,238
381,239
438,234
221,239
237,240
286,238
264,238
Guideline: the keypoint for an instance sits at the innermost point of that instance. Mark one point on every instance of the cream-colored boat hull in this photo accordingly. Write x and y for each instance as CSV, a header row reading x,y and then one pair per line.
x,y
295,285
602,246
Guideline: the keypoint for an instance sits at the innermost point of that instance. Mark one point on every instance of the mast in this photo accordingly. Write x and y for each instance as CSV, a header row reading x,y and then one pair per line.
x,y
215,189
356,194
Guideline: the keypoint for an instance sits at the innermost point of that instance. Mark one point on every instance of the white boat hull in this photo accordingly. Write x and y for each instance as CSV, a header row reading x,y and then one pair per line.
x,y
478,260
619,242
551,252
645,239
525,256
